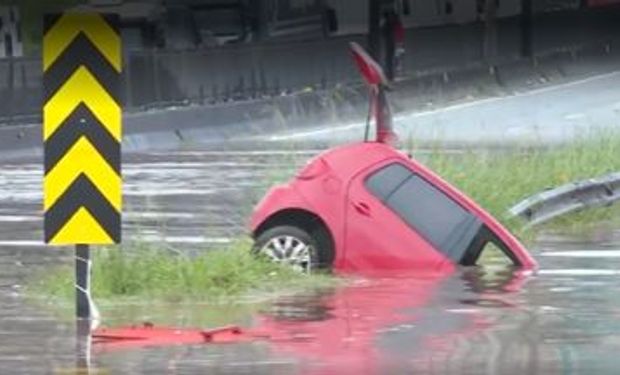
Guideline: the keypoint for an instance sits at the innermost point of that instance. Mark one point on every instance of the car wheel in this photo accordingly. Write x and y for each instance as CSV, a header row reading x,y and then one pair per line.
x,y
290,246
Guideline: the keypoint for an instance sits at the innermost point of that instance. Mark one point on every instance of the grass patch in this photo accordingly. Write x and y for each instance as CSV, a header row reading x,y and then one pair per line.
x,y
499,179
141,272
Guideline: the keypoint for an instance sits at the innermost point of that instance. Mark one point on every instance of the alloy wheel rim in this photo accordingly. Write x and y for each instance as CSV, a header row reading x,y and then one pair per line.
x,y
290,251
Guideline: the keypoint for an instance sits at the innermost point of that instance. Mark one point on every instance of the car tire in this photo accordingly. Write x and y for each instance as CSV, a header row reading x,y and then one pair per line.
x,y
291,246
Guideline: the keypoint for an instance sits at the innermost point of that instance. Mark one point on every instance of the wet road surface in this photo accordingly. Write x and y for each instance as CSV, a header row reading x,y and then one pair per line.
x,y
562,320
550,114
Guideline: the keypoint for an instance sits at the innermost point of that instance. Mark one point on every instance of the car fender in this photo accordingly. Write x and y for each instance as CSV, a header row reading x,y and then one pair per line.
x,y
279,198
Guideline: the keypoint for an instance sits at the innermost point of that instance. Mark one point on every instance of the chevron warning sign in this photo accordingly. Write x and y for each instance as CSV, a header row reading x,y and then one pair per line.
x,y
82,129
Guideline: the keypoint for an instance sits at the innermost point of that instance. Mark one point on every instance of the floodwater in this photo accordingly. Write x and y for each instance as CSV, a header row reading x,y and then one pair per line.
x,y
565,319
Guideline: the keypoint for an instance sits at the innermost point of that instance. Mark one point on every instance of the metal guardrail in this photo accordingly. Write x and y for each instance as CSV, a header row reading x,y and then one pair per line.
x,y
553,203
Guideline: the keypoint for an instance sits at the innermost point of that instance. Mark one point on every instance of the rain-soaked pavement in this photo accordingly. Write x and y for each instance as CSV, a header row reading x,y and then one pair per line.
x,y
563,320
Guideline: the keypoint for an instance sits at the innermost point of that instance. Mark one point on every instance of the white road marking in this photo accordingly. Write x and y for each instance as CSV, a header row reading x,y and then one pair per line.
x,y
18,219
405,116
22,243
583,254
580,272
574,116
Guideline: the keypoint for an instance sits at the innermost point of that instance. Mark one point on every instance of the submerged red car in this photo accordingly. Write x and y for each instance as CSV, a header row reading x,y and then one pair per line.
x,y
369,207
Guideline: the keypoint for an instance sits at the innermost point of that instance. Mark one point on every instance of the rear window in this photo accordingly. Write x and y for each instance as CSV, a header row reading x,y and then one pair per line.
x,y
435,216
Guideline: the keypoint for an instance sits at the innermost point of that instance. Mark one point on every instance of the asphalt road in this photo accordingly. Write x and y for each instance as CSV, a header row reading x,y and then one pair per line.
x,y
545,115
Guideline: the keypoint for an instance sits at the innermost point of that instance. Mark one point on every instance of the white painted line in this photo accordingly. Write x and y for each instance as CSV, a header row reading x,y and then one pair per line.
x,y
157,215
239,153
525,94
574,116
166,192
22,243
463,311
583,254
570,84
18,219
580,272
455,107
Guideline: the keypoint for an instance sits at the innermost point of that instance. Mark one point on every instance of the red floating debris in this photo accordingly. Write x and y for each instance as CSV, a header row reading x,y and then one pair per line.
x,y
147,335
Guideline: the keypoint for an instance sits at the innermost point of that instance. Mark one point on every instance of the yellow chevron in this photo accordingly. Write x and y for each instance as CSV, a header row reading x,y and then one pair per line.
x,y
62,33
81,228
82,87
83,158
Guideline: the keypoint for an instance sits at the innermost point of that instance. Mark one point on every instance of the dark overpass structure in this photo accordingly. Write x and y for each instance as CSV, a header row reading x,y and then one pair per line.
x,y
192,52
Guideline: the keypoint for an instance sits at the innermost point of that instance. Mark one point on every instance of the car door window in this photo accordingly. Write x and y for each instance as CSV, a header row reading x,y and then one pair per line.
x,y
444,223
384,182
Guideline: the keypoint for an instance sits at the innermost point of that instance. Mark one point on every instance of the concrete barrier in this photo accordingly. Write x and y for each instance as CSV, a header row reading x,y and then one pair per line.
x,y
431,85
234,123
161,78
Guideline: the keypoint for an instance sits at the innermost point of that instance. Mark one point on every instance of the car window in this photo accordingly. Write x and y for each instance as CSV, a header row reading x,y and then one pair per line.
x,y
440,220
384,182
444,223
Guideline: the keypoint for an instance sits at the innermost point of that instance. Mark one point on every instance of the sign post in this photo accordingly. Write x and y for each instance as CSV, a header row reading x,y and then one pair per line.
x,y
82,132
85,307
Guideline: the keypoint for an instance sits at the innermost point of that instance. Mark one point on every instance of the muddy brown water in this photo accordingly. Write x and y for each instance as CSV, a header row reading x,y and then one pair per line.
x,y
565,319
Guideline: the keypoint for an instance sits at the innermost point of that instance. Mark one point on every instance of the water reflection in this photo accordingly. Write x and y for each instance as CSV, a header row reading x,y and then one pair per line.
x,y
479,320
377,325
391,324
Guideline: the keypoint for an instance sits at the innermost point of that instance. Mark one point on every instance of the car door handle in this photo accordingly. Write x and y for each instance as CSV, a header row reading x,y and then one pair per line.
x,y
362,208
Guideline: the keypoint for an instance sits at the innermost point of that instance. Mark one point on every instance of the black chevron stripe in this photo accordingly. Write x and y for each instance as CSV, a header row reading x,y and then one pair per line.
x,y
82,52
49,20
80,123
113,20
82,193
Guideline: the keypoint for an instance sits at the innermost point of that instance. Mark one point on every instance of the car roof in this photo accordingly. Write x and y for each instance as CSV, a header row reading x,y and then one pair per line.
x,y
346,161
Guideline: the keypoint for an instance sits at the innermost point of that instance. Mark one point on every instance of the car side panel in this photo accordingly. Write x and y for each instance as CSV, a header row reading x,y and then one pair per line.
x,y
326,195
376,238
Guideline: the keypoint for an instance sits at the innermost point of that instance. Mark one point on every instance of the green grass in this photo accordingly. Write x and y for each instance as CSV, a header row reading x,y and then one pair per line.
x,y
500,179
140,272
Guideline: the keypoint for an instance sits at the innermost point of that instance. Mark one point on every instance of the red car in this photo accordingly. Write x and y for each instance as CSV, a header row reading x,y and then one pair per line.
x,y
368,207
